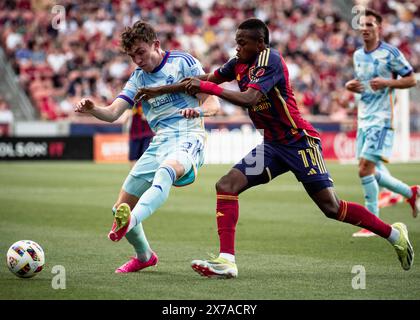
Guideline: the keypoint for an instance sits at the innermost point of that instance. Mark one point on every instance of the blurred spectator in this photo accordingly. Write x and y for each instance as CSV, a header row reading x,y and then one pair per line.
x,y
6,115
57,67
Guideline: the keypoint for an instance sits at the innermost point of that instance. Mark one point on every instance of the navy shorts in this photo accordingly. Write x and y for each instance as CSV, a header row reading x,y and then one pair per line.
x,y
138,147
303,157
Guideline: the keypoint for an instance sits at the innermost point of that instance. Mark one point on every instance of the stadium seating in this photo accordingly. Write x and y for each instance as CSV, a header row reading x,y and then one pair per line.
x,y
59,67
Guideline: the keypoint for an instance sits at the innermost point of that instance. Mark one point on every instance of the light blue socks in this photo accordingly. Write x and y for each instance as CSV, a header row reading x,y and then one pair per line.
x,y
371,191
150,200
156,195
384,178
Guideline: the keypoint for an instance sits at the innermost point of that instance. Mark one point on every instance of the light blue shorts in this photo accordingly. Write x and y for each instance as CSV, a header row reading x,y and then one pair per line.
x,y
187,150
374,143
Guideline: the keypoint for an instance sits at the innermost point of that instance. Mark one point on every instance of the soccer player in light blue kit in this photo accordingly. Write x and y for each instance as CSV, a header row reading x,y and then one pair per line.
x,y
176,152
377,67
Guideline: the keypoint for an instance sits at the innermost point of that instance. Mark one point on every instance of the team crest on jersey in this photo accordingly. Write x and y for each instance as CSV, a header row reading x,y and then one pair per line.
x,y
170,80
256,73
259,72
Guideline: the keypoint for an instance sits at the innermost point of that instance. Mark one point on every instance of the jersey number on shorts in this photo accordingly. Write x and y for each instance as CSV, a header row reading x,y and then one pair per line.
x,y
315,157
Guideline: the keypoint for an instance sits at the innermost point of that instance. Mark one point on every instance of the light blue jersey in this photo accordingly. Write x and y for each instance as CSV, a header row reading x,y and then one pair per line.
x,y
162,112
375,132
375,108
177,138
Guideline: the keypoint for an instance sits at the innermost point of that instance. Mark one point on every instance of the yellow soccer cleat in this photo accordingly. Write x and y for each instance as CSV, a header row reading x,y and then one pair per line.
x,y
121,222
403,246
216,268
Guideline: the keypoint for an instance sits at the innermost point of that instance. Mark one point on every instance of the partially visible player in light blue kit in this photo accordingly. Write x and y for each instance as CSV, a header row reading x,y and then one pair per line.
x,y
177,150
377,67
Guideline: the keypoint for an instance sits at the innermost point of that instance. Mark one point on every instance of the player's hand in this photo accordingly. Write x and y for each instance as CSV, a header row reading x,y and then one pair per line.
x,y
193,86
146,94
85,105
379,83
186,79
355,86
190,113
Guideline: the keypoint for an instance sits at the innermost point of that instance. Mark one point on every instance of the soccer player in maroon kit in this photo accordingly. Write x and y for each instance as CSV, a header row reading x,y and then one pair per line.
x,y
290,144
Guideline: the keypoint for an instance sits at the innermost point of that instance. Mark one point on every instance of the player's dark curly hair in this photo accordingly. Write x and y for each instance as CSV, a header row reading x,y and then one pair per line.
x,y
141,30
259,27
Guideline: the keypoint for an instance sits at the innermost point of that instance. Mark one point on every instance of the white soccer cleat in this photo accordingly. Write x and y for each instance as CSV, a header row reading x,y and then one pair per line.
x,y
216,268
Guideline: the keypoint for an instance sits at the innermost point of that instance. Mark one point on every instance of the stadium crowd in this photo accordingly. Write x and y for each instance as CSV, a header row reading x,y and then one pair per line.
x,y
59,65
6,115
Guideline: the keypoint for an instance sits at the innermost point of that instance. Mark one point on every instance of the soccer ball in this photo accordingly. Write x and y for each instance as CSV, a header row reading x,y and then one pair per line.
x,y
25,258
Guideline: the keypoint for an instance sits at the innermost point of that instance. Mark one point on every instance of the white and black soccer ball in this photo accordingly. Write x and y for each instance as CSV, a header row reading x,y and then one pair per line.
x,y
25,258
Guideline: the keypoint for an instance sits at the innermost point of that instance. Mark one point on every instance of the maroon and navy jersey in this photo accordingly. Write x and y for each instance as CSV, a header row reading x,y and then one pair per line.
x,y
276,112
139,127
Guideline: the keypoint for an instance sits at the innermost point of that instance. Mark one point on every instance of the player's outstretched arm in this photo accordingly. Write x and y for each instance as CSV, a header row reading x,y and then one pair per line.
x,y
108,114
209,77
245,99
151,92
209,107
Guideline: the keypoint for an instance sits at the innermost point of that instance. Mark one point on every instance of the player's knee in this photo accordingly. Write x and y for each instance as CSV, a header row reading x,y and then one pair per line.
x,y
176,165
331,208
366,168
225,185
363,172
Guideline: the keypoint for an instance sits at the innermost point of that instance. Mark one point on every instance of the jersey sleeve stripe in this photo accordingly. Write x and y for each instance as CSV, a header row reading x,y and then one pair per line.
x,y
391,49
186,60
124,97
263,58
259,59
184,55
187,57
407,73
267,56
263,54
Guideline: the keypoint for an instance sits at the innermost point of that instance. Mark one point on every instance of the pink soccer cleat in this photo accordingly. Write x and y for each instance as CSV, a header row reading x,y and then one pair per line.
x,y
121,222
134,264
395,198
363,233
388,199
414,201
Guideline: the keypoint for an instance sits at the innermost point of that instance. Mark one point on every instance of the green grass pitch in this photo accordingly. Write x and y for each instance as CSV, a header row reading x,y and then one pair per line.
x,y
286,248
